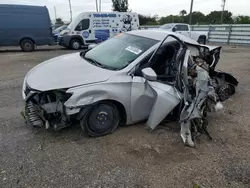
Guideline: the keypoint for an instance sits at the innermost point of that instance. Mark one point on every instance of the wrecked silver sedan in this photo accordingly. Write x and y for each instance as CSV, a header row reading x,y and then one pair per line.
x,y
140,75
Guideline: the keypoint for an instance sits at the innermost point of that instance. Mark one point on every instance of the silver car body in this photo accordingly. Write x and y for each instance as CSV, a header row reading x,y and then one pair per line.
x,y
88,84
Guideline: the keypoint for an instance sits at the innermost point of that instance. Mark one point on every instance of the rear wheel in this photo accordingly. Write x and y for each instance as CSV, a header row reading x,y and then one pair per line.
x,y
75,44
202,40
100,120
27,45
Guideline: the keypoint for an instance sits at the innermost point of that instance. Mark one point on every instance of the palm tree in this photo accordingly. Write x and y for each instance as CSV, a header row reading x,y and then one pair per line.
x,y
183,13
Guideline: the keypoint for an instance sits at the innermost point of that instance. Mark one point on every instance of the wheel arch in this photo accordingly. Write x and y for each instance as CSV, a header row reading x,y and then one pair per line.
x,y
120,107
78,38
27,38
202,37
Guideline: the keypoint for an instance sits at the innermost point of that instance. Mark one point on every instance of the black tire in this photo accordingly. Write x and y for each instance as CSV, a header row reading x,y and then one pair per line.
x,y
27,45
202,40
100,120
75,44
225,92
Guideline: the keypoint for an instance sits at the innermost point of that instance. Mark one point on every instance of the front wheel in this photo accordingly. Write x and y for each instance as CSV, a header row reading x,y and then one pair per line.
x,y
75,44
101,119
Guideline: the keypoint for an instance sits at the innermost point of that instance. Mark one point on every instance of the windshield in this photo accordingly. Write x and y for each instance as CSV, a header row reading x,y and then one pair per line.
x,y
167,26
120,51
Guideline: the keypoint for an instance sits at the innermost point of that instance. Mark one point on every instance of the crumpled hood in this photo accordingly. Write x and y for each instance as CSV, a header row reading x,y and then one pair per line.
x,y
65,72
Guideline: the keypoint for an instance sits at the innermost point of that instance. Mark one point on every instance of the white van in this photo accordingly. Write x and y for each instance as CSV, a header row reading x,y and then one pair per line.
x,y
94,27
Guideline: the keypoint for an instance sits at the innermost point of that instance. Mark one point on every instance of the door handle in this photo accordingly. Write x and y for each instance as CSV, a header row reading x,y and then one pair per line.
x,y
89,31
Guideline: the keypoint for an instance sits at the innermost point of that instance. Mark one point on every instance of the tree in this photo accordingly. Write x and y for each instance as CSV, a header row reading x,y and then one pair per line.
x,y
215,17
120,5
59,21
183,13
148,20
197,18
170,19
242,20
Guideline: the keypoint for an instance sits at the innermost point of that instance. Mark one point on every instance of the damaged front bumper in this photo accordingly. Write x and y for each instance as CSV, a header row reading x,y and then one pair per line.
x,y
46,109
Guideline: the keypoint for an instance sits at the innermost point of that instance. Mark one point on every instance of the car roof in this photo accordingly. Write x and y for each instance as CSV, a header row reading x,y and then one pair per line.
x,y
158,34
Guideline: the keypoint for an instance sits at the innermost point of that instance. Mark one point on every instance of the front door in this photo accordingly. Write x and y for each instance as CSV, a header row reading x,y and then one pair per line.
x,y
142,99
154,100
84,30
167,96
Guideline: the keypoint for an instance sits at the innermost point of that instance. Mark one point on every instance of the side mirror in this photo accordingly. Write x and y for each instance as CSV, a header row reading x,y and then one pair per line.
x,y
149,74
174,29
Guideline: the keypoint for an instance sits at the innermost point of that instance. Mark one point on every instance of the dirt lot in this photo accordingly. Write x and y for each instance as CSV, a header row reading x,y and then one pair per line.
x,y
132,156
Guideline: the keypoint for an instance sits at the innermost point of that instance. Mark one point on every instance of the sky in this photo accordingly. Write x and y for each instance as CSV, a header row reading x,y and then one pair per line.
x,y
147,7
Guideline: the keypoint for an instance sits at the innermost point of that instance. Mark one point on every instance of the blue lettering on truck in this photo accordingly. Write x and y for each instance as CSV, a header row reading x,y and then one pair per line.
x,y
104,15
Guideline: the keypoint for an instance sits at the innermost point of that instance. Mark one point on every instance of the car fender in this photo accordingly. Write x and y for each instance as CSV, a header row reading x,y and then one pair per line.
x,y
79,37
195,35
29,37
226,77
117,91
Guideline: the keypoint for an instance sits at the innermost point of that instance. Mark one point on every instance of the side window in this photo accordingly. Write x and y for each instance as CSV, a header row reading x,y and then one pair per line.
x,y
83,25
185,28
182,27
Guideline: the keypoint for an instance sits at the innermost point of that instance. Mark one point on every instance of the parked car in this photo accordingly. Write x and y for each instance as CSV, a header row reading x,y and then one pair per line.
x,y
139,75
25,26
185,29
92,27
57,31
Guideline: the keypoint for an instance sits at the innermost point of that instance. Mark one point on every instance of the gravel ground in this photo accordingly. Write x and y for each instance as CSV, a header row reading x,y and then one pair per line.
x,y
132,156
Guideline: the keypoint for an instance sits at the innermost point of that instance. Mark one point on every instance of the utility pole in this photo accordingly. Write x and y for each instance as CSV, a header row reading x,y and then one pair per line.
x,y
55,12
223,9
70,10
96,4
100,5
191,11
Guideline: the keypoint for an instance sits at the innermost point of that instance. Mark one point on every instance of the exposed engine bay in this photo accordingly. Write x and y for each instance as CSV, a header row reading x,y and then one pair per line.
x,y
47,109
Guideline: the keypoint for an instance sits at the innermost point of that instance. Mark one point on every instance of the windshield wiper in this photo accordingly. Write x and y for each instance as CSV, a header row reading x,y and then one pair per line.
x,y
96,63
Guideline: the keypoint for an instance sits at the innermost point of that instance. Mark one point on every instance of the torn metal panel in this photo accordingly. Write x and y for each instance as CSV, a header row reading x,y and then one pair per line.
x,y
195,109
166,99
